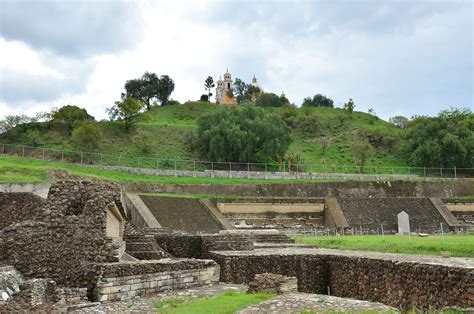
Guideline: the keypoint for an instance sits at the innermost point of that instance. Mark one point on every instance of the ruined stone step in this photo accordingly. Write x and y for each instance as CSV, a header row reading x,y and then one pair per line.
x,y
145,255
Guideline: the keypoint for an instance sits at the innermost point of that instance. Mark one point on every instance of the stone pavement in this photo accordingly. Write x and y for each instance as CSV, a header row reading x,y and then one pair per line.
x,y
296,302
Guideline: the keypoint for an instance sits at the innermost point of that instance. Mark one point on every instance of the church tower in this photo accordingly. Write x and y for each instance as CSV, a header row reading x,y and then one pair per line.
x,y
222,87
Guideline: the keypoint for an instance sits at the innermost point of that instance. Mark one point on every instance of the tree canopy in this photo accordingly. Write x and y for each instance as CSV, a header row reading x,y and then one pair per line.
x,y
126,110
318,100
270,100
443,141
71,115
150,87
244,92
242,134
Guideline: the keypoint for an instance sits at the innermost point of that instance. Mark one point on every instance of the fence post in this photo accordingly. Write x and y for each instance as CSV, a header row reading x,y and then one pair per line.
x,y
82,156
101,159
3,149
43,153
194,167
441,172
424,172
455,175
23,152
175,173
138,162
62,156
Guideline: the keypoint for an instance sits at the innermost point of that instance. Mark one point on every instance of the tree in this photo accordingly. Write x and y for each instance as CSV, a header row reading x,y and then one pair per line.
x,y
318,100
150,87
11,121
126,110
349,106
87,136
204,98
400,121
70,116
270,100
165,88
361,151
324,143
208,86
242,134
443,141
372,115
239,88
244,92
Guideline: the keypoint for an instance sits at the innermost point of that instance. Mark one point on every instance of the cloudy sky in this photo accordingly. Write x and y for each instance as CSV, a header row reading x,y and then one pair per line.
x,y
398,57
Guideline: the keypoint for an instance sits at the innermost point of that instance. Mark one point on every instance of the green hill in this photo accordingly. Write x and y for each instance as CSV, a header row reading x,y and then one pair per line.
x,y
163,132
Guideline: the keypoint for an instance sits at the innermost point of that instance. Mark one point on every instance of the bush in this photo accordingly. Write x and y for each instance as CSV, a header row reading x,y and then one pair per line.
x,y
270,100
87,136
204,98
242,134
318,100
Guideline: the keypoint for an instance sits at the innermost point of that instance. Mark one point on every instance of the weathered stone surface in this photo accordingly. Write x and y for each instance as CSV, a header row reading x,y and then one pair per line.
x,y
67,236
273,283
400,280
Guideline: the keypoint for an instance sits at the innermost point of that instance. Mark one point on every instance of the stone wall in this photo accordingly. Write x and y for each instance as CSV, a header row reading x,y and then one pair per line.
x,y
182,214
198,246
17,207
370,213
126,281
67,237
446,188
399,283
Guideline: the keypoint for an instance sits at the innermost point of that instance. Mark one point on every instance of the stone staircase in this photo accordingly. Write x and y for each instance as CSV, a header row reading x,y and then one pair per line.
x,y
142,246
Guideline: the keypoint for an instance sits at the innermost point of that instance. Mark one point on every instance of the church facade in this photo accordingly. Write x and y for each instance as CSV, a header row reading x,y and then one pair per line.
x,y
223,87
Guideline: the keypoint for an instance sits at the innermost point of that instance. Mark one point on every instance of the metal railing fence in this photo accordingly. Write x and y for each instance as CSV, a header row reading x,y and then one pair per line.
x,y
100,159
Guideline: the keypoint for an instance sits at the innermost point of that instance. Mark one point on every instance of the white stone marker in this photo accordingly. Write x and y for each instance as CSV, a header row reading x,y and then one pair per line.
x,y
403,223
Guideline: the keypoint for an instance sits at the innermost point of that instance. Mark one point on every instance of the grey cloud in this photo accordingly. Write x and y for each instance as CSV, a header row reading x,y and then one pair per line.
x,y
19,88
71,28
296,19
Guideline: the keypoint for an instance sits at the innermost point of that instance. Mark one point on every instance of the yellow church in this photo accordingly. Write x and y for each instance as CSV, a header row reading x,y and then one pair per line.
x,y
224,85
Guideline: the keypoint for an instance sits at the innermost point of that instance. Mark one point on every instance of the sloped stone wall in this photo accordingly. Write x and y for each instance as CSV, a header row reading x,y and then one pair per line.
x,y
68,236
17,207
370,213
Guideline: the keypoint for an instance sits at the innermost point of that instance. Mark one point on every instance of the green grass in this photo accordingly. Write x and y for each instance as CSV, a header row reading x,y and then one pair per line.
x,y
457,245
25,170
164,130
226,303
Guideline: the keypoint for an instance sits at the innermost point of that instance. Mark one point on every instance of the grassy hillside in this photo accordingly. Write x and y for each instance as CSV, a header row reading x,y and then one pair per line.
x,y
162,132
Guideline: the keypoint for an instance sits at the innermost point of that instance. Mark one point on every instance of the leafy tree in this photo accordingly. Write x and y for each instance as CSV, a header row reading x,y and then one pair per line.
x,y
239,88
34,137
208,86
400,121
150,87
87,136
318,100
126,110
70,116
270,100
165,88
242,134
349,106
204,98
11,121
443,141
361,151
244,92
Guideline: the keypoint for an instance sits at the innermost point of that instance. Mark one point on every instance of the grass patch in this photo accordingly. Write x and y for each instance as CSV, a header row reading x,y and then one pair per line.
x,y
456,245
24,170
228,302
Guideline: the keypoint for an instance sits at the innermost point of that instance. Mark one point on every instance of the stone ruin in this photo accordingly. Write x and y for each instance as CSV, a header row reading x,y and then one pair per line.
x,y
87,243
74,244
